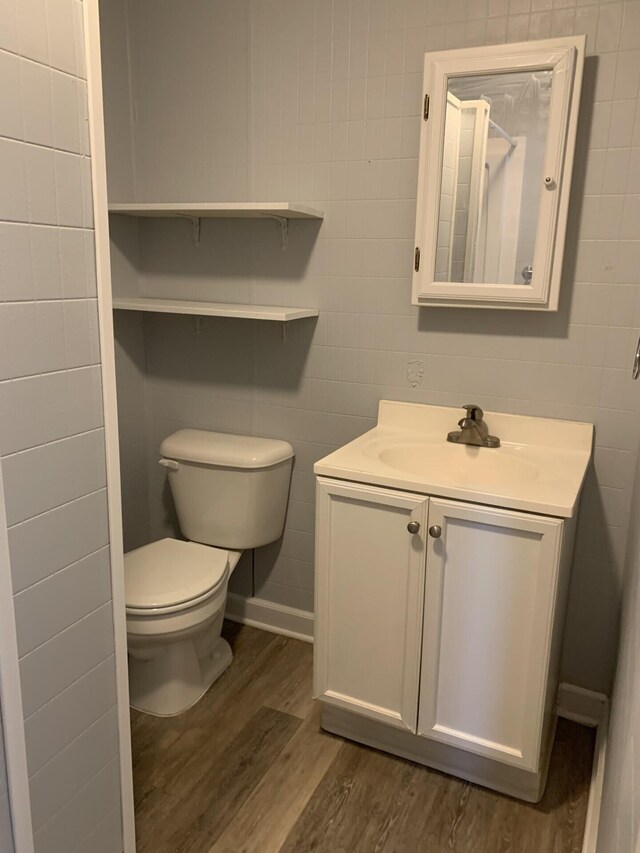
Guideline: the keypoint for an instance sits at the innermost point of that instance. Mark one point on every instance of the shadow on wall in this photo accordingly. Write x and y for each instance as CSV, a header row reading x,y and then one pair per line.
x,y
130,359
217,359
128,332
596,589
229,249
265,559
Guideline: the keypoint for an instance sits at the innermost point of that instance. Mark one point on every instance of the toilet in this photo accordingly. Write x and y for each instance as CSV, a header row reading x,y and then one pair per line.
x,y
230,494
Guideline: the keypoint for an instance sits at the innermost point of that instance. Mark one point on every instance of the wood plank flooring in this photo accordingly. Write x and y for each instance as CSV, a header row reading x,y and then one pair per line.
x,y
248,770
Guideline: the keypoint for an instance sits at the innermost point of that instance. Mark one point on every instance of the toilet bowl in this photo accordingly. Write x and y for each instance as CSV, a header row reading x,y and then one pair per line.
x,y
230,494
176,595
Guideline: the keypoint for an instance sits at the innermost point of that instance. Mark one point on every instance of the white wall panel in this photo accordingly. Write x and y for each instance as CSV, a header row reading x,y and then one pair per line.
x,y
51,437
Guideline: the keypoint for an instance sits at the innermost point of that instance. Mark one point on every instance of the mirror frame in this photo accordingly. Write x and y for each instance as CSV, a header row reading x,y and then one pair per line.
x,y
565,57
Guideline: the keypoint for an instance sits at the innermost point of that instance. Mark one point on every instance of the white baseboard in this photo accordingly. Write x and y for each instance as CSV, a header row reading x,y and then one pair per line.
x,y
590,841
582,706
590,709
277,618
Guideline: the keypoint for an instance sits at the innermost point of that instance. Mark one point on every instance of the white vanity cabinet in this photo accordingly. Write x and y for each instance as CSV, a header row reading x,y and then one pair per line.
x,y
488,618
442,619
369,589
442,572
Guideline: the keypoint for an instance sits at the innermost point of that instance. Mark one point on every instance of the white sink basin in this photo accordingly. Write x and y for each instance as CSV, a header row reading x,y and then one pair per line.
x,y
539,466
470,467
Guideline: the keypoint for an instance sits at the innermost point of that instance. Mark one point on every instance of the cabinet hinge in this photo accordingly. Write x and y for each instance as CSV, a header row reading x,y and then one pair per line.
x,y
425,111
416,259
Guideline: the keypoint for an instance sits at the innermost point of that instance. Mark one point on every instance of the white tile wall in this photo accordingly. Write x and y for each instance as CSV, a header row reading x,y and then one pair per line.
x,y
80,815
41,546
46,609
58,723
47,477
59,662
106,836
51,436
333,103
6,831
65,774
619,820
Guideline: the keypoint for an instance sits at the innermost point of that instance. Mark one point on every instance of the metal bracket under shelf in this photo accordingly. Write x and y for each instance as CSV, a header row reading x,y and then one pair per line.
x,y
198,322
195,224
283,222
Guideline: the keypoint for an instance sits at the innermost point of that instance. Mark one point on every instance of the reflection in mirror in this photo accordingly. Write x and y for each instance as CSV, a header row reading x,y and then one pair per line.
x,y
492,175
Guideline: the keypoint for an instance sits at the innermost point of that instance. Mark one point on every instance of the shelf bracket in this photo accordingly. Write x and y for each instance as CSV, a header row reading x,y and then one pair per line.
x,y
195,224
283,222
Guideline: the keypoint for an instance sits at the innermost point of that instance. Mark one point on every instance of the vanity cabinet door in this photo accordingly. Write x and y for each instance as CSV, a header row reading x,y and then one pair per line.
x,y
369,594
488,618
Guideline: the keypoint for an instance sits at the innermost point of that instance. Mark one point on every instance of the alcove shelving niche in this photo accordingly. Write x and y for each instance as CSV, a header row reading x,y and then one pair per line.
x,y
280,212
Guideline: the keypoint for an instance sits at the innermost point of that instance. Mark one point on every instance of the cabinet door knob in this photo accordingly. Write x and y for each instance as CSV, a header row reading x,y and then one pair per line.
x,y
436,531
413,527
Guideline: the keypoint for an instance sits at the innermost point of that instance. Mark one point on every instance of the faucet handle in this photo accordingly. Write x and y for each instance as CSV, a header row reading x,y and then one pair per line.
x,y
474,412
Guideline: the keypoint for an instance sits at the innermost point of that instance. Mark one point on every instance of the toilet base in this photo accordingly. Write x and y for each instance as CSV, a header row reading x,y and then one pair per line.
x,y
172,683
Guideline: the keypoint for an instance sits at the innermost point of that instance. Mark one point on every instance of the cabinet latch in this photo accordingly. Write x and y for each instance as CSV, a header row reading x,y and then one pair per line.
x,y
416,259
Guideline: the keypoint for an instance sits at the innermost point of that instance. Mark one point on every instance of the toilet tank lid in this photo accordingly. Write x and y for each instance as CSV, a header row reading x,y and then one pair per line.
x,y
221,448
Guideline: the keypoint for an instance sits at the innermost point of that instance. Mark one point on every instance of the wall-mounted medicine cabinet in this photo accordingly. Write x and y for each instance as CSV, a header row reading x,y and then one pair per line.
x,y
496,155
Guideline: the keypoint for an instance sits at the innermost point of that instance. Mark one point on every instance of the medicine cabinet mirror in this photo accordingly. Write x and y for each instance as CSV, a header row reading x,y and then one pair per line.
x,y
496,154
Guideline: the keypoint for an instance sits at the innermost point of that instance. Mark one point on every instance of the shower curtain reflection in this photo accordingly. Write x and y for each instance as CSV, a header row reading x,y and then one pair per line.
x,y
493,150
496,255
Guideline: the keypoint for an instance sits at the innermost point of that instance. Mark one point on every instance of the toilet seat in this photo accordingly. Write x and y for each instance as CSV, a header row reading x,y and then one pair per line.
x,y
170,575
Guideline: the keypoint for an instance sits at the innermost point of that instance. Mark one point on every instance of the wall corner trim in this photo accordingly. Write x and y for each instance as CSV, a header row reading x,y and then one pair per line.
x,y
91,20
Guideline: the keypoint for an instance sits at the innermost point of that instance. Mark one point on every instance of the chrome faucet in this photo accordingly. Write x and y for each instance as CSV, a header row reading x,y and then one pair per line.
x,y
473,430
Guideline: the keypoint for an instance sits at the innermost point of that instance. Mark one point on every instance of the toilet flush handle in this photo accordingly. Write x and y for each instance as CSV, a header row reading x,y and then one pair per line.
x,y
170,463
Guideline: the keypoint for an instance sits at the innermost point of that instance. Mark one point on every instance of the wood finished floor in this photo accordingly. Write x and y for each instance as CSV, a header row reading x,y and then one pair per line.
x,y
248,770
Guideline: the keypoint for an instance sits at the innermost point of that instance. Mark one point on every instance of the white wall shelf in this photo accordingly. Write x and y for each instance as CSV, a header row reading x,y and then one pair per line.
x,y
221,210
212,309
280,211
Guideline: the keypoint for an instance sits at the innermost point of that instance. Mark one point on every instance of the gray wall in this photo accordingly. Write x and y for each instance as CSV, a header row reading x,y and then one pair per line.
x,y
332,97
155,117
619,830
6,833
132,419
116,91
51,431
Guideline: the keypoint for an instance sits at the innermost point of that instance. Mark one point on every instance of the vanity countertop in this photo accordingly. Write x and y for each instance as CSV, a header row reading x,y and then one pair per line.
x,y
539,467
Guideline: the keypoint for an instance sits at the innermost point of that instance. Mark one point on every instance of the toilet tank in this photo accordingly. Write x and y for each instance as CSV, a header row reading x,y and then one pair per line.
x,y
229,490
